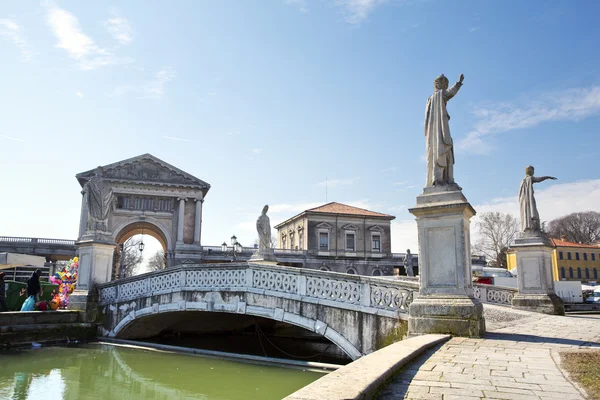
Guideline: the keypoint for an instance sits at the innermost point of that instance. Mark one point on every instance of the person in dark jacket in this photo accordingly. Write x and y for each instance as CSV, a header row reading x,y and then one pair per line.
x,y
2,293
34,287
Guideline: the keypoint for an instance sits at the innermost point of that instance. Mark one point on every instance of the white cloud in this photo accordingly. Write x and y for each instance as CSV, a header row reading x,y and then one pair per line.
x,y
336,182
79,94
257,151
471,30
79,46
179,139
120,29
12,31
11,138
358,10
153,89
553,202
568,105
301,5
156,87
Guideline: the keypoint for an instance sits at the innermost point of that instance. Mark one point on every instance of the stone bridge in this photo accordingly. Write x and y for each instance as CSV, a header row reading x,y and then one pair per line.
x,y
356,313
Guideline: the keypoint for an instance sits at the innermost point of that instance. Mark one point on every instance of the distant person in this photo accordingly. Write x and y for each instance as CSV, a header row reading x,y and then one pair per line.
x,y
2,293
34,287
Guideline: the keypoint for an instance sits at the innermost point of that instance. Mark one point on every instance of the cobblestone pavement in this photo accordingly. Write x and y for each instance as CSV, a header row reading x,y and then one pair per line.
x,y
517,359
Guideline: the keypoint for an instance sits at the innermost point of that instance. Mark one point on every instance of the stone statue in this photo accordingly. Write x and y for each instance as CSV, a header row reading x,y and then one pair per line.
x,y
99,198
530,219
408,263
439,146
263,227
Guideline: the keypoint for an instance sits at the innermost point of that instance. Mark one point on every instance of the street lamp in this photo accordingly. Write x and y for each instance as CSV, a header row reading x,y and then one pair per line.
x,y
141,246
236,248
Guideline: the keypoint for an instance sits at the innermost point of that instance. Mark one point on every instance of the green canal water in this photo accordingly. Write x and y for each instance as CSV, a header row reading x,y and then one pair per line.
x,y
95,371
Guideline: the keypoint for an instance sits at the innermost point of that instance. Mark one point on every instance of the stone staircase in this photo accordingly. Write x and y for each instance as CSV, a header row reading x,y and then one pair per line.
x,y
22,328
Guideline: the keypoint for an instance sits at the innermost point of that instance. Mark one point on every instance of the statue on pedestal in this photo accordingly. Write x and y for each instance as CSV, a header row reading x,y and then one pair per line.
x,y
530,219
99,198
408,263
263,227
439,145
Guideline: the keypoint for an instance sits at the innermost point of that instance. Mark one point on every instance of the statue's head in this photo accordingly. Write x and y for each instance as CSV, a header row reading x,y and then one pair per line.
x,y
265,209
441,82
407,251
529,170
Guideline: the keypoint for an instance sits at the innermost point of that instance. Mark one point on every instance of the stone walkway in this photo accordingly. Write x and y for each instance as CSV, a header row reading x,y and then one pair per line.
x,y
517,359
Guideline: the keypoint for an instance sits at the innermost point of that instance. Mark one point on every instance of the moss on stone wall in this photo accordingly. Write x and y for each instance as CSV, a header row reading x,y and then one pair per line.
x,y
394,335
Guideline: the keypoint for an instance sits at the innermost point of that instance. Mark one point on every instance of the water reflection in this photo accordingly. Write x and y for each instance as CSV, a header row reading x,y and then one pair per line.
x,y
107,372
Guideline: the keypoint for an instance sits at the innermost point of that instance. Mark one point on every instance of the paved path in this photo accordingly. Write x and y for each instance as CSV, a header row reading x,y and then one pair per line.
x,y
517,359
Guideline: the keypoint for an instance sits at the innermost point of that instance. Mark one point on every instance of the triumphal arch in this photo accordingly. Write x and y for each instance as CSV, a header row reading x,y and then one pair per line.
x,y
145,195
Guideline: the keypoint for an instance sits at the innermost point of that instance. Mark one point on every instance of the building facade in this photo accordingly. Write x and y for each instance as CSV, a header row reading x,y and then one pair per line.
x,y
341,238
571,261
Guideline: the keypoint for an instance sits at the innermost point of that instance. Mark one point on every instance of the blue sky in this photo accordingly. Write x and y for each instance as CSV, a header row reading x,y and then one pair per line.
x,y
265,100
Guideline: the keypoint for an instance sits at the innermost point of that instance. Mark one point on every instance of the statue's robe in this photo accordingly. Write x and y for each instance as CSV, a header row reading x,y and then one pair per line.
x,y
99,199
530,219
263,227
439,146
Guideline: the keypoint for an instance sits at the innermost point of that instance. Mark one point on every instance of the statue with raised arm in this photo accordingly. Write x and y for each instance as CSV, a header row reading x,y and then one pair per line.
x,y
99,198
530,219
439,146
263,227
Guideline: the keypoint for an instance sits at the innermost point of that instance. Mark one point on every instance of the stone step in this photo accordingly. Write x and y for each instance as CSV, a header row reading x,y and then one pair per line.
x,y
17,318
40,333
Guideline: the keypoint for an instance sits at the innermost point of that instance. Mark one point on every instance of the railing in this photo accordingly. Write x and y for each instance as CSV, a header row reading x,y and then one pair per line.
x,y
337,289
494,294
34,241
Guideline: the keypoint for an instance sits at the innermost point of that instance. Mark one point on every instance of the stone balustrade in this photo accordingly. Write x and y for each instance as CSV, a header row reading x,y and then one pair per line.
x,y
342,290
494,294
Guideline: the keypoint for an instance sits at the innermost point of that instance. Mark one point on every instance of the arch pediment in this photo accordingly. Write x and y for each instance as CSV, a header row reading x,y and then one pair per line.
x,y
145,169
324,225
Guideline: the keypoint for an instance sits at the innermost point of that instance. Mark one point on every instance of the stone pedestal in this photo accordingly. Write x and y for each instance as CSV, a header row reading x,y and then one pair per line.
x,y
445,303
534,273
263,254
95,263
95,266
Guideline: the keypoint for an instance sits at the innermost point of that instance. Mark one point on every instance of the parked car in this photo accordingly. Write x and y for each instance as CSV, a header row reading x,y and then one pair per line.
x,y
595,297
486,275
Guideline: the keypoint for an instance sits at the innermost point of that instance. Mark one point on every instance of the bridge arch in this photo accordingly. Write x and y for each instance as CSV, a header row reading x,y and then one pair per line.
x,y
354,312
309,324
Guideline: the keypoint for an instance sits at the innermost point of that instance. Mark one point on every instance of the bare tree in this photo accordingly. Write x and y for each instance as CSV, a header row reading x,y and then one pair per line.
x,y
131,257
157,261
579,227
496,232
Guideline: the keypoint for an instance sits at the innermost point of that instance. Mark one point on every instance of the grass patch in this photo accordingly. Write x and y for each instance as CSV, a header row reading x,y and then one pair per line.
x,y
584,367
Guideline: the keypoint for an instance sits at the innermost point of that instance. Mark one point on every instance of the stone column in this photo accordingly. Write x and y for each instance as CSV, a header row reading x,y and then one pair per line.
x,y
180,219
198,221
534,274
445,303
83,216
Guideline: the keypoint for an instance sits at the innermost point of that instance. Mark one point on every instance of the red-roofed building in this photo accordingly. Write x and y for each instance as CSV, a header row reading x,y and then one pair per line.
x,y
341,238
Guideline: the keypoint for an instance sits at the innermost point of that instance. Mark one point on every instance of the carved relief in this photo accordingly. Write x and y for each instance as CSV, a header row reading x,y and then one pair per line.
x,y
148,171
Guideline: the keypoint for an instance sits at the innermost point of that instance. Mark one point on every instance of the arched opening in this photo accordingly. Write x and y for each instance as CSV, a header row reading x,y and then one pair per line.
x,y
141,247
376,272
351,271
234,333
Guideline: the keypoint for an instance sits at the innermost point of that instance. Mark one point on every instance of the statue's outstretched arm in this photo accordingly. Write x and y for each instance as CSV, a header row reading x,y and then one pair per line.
x,y
542,178
450,93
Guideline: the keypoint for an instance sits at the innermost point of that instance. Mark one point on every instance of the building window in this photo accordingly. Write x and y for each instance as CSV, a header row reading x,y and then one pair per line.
x,y
324,241
577,256
568,255
351,271
350,242
587,273
562,273
595,273
593,257
376,272
283,239
579,273
571,272
376,243
560,255
584,256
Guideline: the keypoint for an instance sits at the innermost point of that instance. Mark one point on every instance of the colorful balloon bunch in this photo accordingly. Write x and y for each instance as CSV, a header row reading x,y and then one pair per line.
x,y
66,279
